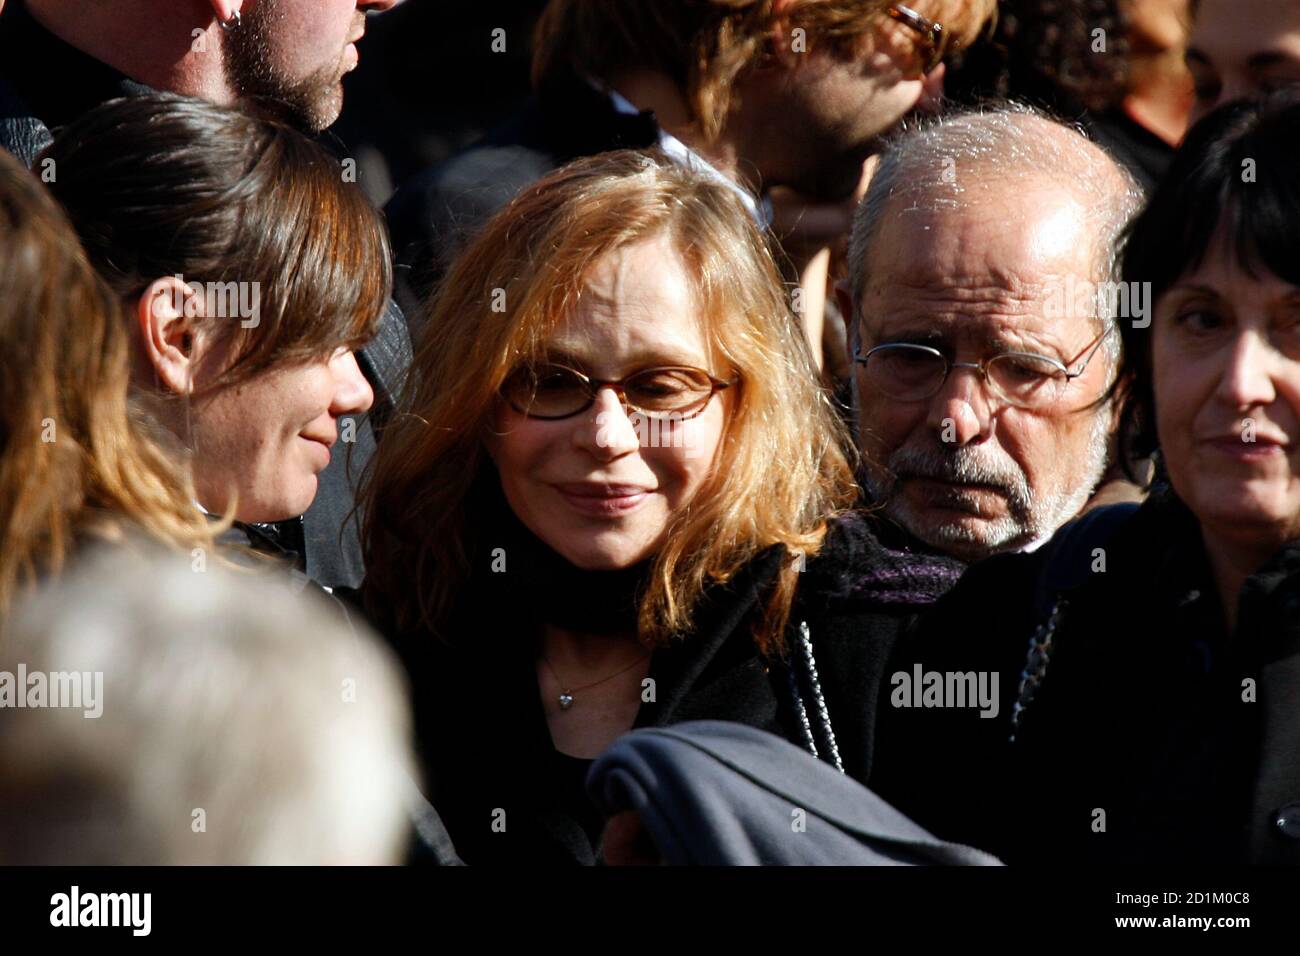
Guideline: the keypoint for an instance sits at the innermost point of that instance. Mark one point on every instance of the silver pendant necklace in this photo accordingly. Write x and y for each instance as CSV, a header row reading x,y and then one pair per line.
x,y
566,696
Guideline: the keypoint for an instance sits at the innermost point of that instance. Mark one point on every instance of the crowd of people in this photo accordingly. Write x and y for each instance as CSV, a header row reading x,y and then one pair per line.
x,y
748,452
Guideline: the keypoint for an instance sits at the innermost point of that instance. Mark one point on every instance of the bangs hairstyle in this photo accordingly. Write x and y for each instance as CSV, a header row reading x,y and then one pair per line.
x,y
164,185
1208,195
783,466
75,458
703,46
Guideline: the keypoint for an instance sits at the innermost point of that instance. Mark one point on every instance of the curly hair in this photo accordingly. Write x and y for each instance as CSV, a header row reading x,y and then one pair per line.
x,y
1066,56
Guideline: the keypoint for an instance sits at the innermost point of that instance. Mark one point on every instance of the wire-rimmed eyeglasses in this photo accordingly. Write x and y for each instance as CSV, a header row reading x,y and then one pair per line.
x,y
908,372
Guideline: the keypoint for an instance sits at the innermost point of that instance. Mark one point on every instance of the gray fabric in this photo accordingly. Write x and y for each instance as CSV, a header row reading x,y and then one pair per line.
x,y
721,794
330,528
21,134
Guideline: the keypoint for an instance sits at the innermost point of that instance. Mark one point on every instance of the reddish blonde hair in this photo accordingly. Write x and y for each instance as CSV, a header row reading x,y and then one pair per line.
x,y
784,464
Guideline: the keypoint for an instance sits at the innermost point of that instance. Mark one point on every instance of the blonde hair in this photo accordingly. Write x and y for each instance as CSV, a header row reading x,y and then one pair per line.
x,y
76,458
784,465
704,46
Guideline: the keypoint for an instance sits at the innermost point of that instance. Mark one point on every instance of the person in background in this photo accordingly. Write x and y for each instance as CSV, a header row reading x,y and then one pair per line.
x,y
61,58
78,461
1160,91
756,94
1240,50
212,718
248,272
985,354
1112,66
1150,657
617,496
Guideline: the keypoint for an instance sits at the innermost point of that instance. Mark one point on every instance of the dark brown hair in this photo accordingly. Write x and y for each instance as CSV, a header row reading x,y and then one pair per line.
x,y
164,185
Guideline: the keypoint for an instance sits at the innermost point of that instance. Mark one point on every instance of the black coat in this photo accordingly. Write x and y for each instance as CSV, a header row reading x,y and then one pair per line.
x,y
1154,735
483,735
45,83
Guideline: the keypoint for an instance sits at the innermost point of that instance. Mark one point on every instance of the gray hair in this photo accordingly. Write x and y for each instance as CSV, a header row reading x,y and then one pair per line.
x,y
239,722
996,148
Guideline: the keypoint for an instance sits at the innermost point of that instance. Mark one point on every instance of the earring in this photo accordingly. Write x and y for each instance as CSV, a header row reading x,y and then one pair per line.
x,y
232,24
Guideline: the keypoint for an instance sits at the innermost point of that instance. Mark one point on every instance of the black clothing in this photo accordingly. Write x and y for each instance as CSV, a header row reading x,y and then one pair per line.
x,y
435,214
1155,736
1144,154
44,84
482,731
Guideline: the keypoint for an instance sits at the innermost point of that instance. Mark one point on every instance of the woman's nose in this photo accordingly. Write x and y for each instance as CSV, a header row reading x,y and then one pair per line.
x,y
352,393
606,431
1247,379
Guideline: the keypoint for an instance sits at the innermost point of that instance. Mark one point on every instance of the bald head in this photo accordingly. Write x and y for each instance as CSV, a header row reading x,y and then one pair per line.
x,y
993,159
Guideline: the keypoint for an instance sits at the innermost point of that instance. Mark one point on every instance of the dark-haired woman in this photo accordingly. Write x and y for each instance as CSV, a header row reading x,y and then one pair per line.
x,y
1150,659
249,270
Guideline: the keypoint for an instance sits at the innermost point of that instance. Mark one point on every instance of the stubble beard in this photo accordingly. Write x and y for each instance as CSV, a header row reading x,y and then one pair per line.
x,y
1029,517
313,103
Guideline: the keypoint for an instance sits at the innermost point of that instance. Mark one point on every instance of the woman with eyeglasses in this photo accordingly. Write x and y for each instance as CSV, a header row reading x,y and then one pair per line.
x,y
617,497
1150,656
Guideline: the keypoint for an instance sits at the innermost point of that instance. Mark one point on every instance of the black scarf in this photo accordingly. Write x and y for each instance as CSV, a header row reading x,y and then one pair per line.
x,y
530,578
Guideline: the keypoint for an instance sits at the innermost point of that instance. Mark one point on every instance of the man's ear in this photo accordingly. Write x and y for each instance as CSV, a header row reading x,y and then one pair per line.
x,y
224,10
165,315
844,299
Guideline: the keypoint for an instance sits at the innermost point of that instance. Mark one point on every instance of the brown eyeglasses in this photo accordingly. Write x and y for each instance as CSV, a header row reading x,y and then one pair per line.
x,y
934,39
556,391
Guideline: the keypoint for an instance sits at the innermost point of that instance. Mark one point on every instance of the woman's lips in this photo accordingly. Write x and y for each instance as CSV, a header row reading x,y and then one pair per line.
x,y
1247,451
321,445
603,501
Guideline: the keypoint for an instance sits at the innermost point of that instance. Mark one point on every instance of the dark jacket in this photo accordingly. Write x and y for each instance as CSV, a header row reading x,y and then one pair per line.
x,y
435,214
44,84
483,734
1153,735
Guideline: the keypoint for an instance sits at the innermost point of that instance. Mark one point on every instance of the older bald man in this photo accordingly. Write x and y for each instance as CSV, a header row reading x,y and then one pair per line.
x,y
982,296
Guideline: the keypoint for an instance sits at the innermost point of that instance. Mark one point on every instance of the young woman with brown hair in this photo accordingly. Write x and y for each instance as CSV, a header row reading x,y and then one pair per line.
x,y
249,270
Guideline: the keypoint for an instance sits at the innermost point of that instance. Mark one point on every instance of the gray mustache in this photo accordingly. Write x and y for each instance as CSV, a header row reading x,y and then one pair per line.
x,y
959,465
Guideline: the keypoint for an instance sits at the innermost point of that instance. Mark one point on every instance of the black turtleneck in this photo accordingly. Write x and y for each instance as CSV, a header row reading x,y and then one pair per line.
x,y
561,593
